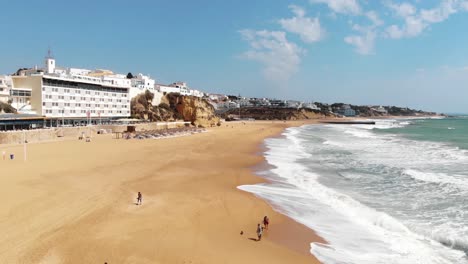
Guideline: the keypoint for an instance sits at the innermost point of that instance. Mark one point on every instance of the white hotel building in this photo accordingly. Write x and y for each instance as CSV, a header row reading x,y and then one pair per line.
x,y
72,94
5,85
178,87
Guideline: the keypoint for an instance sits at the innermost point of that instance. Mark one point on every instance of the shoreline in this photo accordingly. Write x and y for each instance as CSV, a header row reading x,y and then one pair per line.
x,y
74,201
288,232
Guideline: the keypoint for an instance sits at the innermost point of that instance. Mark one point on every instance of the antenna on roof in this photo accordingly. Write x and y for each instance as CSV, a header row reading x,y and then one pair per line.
x,y
49,53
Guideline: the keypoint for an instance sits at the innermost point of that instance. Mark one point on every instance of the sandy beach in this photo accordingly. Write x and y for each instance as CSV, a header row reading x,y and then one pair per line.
x,y
74,202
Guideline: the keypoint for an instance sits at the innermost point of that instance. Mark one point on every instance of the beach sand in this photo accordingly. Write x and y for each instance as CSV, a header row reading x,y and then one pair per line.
x,y
74,202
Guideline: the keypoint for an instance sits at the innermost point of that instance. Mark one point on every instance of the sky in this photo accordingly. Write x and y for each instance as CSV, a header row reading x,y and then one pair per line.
x,y
411,53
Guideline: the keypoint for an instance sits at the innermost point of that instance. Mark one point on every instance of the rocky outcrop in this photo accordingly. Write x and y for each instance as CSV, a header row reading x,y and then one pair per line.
x,y
174,107
268,113
6,108
194,109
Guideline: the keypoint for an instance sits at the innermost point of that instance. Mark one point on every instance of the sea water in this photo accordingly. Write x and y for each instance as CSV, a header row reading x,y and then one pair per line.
x,y
394,192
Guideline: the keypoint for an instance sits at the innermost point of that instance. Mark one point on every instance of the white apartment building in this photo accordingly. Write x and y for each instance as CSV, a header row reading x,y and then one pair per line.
x,y
5,86
141,83
71,93
178,87
311,106
167,89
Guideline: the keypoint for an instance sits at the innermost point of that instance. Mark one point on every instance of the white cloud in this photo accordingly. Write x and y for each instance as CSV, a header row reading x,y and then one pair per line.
x,y
279,57
464,5
341,6
403,10
308,29
364,44
440,13
297,10
374,17
394,32
416,21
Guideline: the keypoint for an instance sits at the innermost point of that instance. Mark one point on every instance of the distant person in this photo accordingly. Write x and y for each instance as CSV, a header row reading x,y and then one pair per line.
x,y
259,232
3,155
266,222
139,198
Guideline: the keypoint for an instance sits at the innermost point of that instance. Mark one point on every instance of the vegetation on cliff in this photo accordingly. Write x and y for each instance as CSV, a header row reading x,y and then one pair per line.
x,y
268,113
371,111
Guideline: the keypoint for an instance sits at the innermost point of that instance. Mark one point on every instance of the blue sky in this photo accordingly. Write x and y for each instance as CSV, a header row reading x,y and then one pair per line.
x,y
408,53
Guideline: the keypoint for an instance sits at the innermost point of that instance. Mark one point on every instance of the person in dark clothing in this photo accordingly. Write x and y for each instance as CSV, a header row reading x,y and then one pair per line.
x,y
139,198
266,222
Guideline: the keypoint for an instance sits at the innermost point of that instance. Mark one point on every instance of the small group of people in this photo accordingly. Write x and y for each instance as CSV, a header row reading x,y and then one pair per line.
x,y
266,222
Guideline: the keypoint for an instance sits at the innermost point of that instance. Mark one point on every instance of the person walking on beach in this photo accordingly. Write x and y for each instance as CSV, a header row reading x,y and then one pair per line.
x,y
266,222
139,198
259,232
3,154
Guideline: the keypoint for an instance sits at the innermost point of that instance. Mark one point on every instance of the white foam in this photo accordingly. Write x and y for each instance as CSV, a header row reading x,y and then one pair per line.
x,y
356,233
439,178
359,133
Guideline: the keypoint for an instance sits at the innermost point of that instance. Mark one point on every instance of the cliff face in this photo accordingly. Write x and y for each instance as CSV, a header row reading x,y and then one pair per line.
x,y
174,107
6,108
194,109
263,113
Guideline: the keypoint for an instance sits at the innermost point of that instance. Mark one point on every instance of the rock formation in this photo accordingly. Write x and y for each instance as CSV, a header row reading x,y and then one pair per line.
x,y
6,108
268,113
174,107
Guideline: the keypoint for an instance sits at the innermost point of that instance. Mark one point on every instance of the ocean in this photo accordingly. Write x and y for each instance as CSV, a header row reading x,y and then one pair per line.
x,y
394,192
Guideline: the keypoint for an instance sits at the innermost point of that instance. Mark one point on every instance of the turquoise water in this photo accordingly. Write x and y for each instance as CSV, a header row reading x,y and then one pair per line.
x,y
449,130
394,192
